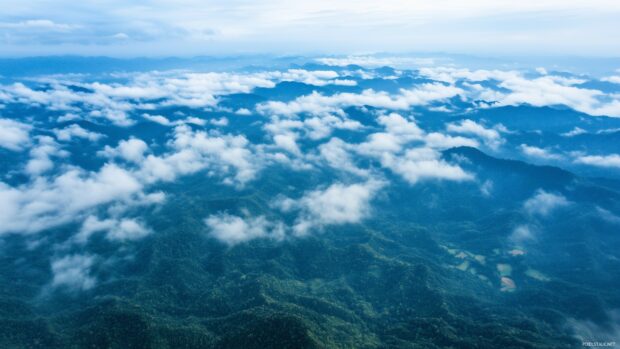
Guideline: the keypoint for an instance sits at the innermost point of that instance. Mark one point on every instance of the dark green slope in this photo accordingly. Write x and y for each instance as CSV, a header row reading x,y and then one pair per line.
x,y
396,281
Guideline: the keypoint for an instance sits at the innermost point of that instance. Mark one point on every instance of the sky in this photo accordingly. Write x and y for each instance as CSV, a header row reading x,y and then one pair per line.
x,y
207,27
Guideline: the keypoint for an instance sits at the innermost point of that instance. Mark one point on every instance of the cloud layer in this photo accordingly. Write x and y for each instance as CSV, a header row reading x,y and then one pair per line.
x,y
92,158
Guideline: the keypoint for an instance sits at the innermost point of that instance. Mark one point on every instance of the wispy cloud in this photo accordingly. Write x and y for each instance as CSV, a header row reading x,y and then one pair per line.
x,y
233,230
543,203
537,152
611,160
272,25
73,272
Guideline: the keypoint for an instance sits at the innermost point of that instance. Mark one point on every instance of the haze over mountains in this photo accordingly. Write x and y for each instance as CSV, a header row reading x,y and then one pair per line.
x,y
367,201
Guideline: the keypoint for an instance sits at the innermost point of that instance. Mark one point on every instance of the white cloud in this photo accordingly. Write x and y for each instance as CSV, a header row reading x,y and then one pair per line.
x,y
554,90
522,234
547,90
132,150
380,143
536,152
395,124
160,119
574,132
451,74
590,332
374,62
344,82
92,225
491,137
128,229
243,111
68,117
38,24
550,90
115,101
423,163
40,156
337,154
14,135
73,272
46,203
544,203
233,230
609,161
219,122
61,98
164,121
311,77
121,36
287,142
613,79
438,140
193,151
317,104
202,122
487,188
75,130
315,128
419,162
399,131
202,89
125,229
337,204
608,215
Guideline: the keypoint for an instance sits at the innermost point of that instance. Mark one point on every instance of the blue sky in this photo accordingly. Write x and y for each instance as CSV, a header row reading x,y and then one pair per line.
x,y
193,27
